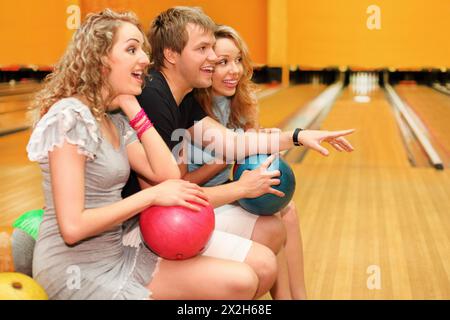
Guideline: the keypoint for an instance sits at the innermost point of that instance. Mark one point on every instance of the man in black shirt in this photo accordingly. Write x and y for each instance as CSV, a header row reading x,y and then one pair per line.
x,y
166,114
185,63
182,41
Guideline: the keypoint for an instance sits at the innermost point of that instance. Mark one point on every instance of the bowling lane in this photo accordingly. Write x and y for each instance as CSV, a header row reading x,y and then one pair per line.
x,y
278,108
371,210
13,122
433,109
14,88
377,139
17,102
265,90
14,106
21,179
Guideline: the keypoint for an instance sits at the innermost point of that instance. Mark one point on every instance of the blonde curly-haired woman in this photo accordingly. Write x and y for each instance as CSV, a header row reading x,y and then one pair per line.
x,y
88,245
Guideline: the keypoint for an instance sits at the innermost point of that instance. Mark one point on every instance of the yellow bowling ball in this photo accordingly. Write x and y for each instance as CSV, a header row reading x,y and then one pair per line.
x,y
18,286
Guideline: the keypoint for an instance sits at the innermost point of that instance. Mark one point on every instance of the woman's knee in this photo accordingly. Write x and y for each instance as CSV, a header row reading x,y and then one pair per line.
x,y
264,263
289,215
243,284
271,232
204,278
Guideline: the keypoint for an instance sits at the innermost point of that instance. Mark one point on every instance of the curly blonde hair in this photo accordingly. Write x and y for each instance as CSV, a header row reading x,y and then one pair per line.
x,y
80,69
244,107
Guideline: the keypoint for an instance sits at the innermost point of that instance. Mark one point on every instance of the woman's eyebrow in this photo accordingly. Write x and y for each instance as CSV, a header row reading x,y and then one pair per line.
x,y
134,40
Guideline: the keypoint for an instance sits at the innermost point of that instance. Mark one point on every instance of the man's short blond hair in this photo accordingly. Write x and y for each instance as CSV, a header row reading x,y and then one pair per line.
x,y
168,31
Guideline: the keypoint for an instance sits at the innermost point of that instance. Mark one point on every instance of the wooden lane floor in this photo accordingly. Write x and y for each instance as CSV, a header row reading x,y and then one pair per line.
x,y
13,103
14,109
20,189
6,89
369,215
281,106
14,121
433,109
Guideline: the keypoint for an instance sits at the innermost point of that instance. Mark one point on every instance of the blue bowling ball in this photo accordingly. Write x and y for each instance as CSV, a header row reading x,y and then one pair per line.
x,y
267,204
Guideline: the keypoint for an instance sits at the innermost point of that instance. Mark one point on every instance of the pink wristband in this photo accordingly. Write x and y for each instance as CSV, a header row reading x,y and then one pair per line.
x,y
138,117
147,125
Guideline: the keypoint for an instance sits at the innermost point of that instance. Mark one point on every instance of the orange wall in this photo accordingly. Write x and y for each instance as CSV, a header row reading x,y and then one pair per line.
x,y
414,33
315,33
248,17
33,31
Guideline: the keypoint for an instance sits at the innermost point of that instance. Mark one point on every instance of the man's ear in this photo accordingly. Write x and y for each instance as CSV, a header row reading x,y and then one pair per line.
x,y
170,55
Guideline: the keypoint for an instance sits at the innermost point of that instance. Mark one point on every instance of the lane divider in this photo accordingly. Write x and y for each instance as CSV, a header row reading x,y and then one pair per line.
x,y
416,126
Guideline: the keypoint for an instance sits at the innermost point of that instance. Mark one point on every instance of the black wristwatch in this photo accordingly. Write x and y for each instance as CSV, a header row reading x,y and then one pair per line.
x,y
295,136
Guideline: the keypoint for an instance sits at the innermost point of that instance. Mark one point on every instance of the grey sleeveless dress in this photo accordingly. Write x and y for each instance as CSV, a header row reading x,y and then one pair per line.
x,y
112,265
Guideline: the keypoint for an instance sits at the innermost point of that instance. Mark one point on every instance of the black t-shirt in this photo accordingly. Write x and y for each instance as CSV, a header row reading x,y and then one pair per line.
x,y
161,108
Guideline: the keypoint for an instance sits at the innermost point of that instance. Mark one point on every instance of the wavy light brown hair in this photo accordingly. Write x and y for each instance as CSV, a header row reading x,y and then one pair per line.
x,y
244,108
81,69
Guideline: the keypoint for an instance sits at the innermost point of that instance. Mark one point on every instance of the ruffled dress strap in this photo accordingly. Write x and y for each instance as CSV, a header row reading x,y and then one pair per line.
x,y
68,119
128,134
